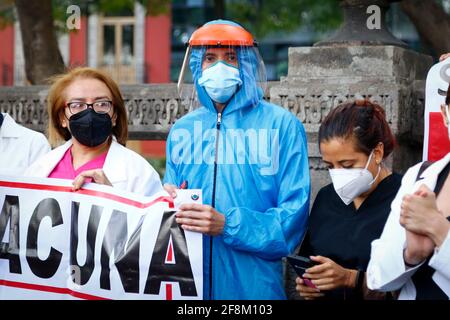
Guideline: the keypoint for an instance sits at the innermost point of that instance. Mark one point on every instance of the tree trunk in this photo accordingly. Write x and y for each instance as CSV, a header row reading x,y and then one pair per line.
x,y
40,47
431,21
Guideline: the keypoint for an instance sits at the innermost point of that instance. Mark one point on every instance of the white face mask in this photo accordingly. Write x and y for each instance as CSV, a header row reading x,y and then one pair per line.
x,y
220,81
350,183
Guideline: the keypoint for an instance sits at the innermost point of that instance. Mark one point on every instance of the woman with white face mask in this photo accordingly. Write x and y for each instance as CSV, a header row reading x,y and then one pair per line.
x,y
349,213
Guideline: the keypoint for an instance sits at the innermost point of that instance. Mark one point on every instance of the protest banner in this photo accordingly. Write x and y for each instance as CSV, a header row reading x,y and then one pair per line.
x,y
435,142
95,243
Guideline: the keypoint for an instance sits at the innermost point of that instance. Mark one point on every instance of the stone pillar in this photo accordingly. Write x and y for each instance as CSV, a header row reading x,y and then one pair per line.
x,y
364,24
320,78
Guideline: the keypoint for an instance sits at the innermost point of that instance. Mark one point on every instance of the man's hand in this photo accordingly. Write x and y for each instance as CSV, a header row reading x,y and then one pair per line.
x,y
96,175
200,218
328,275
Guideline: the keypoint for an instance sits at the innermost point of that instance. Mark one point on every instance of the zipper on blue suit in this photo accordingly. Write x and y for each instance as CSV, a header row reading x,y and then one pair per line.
x,y
213,201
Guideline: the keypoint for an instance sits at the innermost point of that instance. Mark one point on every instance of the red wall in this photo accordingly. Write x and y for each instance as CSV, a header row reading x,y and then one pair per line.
x,y
154,149
438,143
158,32
157,48
7,56
78,40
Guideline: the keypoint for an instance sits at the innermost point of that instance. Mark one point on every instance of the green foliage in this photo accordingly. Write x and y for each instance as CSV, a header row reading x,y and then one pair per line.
x,y
157,7
159,164
6,13
60,13
113,7
261,17
264,17
106,7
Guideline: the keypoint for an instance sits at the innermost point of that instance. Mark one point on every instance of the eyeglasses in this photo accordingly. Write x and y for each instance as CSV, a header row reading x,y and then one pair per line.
x,y
103,106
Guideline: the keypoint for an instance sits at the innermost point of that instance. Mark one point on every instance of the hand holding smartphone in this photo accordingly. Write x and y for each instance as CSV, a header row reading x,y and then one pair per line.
x,y
300,264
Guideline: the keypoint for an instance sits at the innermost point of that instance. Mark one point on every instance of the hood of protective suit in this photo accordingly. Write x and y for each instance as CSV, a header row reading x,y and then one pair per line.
x,y
248,94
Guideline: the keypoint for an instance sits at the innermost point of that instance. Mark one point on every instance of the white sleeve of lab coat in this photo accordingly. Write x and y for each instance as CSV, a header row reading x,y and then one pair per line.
x,y
440,261
151,183
38,147
142,177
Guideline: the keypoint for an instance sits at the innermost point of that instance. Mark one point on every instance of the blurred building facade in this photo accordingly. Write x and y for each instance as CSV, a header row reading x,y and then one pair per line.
x,y
138,48
133,47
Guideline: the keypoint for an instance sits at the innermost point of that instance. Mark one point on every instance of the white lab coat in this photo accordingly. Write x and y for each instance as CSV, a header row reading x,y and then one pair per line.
x,y
386,270
124,168
19,147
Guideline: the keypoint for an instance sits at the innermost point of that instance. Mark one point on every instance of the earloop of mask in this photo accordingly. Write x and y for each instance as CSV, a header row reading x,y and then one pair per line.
x,y
379,168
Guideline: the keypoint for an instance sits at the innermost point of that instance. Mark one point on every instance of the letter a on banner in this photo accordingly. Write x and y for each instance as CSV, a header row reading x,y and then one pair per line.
x,y
171,237
435,141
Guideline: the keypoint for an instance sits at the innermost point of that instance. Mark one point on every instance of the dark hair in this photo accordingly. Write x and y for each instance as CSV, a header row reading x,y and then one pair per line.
x,y
362,120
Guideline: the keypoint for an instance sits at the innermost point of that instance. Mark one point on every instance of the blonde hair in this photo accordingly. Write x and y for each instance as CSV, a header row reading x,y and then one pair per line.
x,y
56,103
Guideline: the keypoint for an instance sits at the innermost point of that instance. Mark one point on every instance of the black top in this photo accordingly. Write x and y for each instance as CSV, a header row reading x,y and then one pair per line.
x,y
344,234
426,288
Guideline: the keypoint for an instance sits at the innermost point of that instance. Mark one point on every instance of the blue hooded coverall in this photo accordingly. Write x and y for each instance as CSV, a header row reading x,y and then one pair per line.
x,y
265,206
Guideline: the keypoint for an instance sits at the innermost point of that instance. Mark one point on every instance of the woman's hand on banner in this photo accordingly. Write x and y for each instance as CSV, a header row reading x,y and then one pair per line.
x,y
96,175
200,218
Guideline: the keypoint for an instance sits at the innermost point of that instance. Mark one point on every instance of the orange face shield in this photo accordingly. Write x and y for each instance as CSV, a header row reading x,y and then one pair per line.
x,y
221,35
200,48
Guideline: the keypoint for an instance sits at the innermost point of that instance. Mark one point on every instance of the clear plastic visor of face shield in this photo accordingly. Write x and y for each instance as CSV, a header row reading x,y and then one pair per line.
x,y
198,58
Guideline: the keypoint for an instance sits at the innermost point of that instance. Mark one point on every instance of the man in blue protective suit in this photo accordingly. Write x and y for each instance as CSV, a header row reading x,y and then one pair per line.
x,y
249,158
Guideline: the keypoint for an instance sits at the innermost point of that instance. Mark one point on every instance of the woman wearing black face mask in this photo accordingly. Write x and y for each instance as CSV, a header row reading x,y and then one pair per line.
x,y
86,109
349,213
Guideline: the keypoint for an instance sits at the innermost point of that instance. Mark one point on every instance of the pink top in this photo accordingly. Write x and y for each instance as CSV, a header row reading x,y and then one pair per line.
x,y
64,169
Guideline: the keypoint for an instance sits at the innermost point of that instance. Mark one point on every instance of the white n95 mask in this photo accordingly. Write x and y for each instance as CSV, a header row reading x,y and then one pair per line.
x,y
350,183
220,81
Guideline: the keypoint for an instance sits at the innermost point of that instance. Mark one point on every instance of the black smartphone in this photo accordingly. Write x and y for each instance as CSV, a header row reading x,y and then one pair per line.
x,y
300,264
